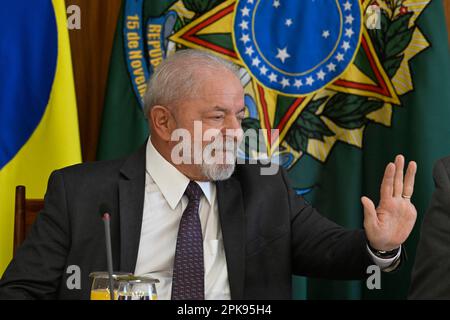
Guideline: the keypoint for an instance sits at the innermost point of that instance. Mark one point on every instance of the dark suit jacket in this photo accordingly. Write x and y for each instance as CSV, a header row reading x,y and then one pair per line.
x,y
269,233
431,272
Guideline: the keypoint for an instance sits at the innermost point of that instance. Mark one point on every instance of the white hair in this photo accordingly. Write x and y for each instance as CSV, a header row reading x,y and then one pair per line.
x,y
175,78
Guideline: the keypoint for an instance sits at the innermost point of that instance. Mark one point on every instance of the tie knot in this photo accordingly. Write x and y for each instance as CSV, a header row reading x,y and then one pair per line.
x,y
193,191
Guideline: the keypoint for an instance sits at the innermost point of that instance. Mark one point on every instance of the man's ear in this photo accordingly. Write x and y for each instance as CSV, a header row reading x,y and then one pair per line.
x,y
162,122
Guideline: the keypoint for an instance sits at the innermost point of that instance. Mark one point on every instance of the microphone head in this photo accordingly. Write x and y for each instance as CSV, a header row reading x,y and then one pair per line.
x,y
104,209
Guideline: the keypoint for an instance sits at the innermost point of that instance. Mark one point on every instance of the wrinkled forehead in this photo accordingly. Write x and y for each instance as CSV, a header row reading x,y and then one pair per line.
x,y
224,91
225,100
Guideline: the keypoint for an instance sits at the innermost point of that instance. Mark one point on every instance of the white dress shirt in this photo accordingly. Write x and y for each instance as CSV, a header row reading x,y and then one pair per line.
x,y
164,204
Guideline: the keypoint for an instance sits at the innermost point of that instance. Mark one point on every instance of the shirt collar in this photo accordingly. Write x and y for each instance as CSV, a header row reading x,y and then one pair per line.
x,y
171,182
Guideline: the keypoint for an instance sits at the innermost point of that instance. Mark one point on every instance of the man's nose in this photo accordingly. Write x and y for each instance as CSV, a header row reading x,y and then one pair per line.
x,y
233,129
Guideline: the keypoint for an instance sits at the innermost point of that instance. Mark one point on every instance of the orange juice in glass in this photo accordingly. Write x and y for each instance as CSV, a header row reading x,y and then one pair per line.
x,y
100,285
102,294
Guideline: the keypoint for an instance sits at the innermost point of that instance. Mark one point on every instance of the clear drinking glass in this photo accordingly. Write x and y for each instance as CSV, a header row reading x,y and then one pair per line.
x,y
100,284
137,288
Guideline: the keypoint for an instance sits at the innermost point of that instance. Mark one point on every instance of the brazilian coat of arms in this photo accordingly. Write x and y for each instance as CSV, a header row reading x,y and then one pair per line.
x,y
315,72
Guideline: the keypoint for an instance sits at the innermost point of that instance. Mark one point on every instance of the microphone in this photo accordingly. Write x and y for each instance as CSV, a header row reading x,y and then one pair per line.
x,y
105,213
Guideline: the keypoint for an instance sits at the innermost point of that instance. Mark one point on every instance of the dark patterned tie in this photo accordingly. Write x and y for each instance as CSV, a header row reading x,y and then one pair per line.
x,y
188,282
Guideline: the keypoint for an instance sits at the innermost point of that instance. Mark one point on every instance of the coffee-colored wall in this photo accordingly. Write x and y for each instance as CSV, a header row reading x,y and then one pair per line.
x,y
447,15
91,49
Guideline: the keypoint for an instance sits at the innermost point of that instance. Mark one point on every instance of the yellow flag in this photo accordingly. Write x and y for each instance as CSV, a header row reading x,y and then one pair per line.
x,y
39,124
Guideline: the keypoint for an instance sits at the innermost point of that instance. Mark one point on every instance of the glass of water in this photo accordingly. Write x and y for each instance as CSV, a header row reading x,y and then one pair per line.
x,y
137,288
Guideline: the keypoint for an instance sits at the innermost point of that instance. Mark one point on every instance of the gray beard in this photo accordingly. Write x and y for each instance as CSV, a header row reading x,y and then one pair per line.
x,y
217,172
223,170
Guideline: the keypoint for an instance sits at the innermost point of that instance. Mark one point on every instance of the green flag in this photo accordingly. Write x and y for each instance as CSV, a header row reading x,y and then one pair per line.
x,y
124,127
419,129
340,86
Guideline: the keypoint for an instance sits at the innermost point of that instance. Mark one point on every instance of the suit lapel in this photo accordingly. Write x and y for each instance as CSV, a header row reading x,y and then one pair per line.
x,y
131,202
231,211
232,219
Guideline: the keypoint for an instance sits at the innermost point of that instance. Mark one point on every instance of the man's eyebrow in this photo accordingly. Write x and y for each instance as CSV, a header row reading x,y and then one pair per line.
x,y
219,108
242,110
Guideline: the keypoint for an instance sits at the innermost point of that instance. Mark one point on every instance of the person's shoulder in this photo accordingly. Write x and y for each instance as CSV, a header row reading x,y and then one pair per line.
x,y
445,162
442,168
86,178
107,168
92,167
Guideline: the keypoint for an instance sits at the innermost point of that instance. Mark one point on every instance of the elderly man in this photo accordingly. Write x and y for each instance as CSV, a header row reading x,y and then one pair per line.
x,y
208,228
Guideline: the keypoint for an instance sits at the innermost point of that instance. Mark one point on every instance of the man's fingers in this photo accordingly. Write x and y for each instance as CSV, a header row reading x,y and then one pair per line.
x,y
370,213
408,187
398,179
387,185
